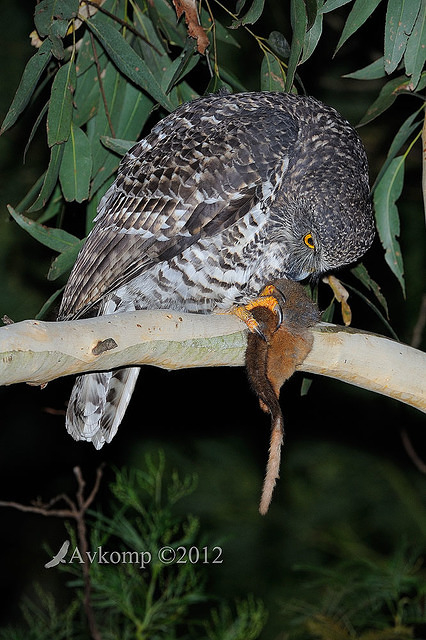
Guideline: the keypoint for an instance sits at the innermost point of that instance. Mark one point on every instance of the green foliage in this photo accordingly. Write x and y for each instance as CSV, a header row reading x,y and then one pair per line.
x,y
140,597
110,69
361,600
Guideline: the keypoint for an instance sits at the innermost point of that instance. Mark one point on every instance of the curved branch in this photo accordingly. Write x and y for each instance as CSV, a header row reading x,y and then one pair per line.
x,y
37,352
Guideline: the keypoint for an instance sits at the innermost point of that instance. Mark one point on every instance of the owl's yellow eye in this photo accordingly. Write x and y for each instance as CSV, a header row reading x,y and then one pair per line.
x,y
309,241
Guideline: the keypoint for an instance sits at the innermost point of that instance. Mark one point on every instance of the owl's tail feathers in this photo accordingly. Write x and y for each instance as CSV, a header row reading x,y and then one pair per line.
x,y
98,403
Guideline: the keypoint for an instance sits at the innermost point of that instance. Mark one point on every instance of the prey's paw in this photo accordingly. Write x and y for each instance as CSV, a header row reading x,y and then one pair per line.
x,y
270,298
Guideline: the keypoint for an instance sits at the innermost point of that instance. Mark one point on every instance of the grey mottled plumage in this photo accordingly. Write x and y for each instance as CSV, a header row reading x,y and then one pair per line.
x,y
225,194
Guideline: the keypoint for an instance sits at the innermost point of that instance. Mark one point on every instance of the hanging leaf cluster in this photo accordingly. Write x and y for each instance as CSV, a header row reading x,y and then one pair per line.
x,y
110,66
107,67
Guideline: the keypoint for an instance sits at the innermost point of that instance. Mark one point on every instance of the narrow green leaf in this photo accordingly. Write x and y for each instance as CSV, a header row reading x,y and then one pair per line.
x,y
85,58
298,24
135,111
331,5
118,145
387,218
45,308
312,36
400,19
251,16
57,47
54,207
374,308
162,19
49,11
183,64
386,98
240,6
404,132
29,197
127,61
216,84
64,262
56,239
92,205
360,272
87,97
415,53
34,128
254,13
311,8
50,177
76,166
59,114
372,71
32,72
279,45
272,77
360,12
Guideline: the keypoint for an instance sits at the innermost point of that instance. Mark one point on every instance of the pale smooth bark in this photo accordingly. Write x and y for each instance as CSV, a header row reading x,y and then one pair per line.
x,y
37,352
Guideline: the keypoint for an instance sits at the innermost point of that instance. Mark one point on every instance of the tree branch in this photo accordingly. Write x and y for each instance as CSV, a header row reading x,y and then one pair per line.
x,y
37,352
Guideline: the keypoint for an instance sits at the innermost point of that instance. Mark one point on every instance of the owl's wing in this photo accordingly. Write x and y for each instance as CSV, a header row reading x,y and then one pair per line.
x,y
192,177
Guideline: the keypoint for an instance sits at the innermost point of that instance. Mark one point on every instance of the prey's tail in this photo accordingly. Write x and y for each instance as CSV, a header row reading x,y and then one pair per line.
x,y
98,403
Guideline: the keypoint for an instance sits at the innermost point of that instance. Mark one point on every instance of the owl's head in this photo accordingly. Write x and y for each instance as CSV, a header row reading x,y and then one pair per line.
x,y
324,201
325,231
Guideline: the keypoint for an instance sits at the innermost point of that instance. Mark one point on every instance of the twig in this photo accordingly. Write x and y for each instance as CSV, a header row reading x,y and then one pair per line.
x,y
77,511
101,85
123,23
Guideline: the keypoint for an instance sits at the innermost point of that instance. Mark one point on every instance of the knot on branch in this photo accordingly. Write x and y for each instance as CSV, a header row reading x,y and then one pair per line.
x,y
104,345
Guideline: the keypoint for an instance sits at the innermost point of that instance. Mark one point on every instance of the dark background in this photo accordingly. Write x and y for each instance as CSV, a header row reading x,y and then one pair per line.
x,y
347,484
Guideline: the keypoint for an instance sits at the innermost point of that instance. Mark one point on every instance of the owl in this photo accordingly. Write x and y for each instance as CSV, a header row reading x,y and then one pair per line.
x,y
226,193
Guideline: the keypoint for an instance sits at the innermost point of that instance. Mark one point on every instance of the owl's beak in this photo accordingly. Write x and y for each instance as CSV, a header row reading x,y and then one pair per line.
x,y
297,275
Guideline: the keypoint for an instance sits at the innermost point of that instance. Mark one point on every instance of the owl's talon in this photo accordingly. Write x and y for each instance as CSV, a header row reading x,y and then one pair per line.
x,y
271,298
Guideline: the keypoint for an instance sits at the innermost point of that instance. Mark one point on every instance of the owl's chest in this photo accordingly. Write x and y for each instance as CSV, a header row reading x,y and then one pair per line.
x,y
214,273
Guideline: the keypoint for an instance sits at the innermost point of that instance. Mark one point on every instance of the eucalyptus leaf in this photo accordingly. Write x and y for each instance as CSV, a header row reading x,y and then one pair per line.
x,y
372,71
386,98
331,5
216,84
47,305
299,24
360,12
54,207
30,196
183,64
251,16
56,239
35,127
50,177
400,19
32,72
48,12
117,145
59,114
127,61
312,37
386,195
374,308
405,131
360,272
272,77
415,52
279,45
64,262
76,166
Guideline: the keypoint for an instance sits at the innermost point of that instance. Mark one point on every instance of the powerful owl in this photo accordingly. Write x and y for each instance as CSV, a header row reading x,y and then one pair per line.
x,y
226,193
